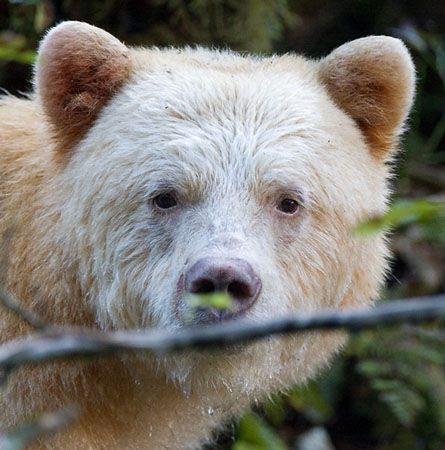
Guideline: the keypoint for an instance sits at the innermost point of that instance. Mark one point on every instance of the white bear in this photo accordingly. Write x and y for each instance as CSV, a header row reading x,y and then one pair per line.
x,y
133,177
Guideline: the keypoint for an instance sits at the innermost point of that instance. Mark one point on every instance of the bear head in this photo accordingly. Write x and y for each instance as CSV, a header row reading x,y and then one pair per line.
x,y
194,170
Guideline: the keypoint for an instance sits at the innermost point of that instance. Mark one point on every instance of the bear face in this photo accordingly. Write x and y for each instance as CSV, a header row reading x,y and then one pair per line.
x,y
178,171
224,140
228,160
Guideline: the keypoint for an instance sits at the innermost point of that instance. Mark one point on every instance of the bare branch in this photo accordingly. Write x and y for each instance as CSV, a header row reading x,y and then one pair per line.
x,y
28,317
44,425
75,342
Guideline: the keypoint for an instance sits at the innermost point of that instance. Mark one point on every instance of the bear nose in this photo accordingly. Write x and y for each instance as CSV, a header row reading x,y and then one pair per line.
x,y
233,276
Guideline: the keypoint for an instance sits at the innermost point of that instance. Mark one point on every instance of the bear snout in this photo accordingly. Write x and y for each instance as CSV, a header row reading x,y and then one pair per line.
x,y
232,276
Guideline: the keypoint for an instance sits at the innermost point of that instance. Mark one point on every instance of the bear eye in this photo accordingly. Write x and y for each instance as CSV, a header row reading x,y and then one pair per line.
x,y
288,206
166,200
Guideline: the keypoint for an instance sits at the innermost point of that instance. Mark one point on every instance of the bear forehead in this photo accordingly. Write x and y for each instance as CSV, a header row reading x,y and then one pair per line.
x,y
186,103
229,89
267,122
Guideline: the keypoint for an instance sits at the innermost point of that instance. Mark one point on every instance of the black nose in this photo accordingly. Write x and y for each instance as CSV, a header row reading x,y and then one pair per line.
x,y
230,275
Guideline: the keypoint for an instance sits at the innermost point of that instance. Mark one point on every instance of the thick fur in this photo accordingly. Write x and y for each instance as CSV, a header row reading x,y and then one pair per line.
x,y
82,242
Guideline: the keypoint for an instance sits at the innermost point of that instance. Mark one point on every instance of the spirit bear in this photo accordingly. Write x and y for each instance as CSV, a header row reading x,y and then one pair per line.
x,y
132,177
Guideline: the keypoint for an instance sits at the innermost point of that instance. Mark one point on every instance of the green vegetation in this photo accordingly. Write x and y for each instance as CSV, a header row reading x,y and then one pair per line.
x,y
404,212
218,300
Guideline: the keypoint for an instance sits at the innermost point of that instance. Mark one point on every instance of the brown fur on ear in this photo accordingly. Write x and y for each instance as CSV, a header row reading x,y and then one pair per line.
x,y
79,68
373,80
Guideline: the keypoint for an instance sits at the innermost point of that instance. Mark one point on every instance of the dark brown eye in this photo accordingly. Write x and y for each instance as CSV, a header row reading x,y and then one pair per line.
x,y
288,206
165,201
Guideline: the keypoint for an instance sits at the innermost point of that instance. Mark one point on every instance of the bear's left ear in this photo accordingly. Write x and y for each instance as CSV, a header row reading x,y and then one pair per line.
x,y
79,67
373,80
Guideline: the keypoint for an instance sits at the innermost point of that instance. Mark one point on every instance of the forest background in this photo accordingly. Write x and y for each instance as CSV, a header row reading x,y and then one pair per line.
x,y
387,391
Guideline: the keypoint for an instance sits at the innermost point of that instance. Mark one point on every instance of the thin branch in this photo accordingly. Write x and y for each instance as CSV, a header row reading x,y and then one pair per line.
x,y
28,317
44,425
75,342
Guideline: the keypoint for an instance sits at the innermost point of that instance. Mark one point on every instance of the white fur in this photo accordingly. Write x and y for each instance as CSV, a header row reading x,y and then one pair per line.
x,y
232,136
230,144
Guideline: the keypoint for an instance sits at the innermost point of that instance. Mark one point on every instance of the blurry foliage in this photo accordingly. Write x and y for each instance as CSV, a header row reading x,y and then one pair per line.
x,y
255,434
252,25
404,372
12,48
248,25
387,392
404,212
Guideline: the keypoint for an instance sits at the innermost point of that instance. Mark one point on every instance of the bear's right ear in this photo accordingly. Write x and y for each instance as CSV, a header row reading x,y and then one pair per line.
x,y
79,67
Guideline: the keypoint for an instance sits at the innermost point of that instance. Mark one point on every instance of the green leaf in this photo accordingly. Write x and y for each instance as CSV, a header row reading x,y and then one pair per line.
x,y
403,212
218,300
21,56
274,410
309,400
255,434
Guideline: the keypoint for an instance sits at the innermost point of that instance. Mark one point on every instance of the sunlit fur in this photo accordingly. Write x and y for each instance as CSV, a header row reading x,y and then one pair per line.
x,y
83,244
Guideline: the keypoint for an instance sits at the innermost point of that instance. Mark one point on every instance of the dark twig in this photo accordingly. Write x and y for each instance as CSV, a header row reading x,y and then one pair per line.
x,y
46,424
79,342
28,317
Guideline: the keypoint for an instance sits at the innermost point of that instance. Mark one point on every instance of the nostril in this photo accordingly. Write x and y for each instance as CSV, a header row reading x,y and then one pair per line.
x,y
202,286
233,276
239,290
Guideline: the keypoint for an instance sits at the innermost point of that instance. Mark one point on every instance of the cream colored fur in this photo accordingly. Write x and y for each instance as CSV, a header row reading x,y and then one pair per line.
x,y
82,244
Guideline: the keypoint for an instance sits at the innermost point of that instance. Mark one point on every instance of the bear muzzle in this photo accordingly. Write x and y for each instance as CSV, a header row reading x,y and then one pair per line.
x,y
232,276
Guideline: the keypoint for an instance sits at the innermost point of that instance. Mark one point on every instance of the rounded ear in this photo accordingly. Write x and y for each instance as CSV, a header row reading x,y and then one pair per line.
x,y
79,67
373,80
